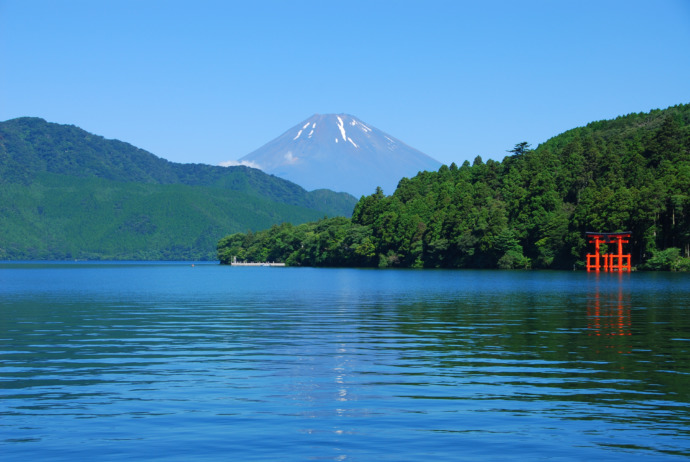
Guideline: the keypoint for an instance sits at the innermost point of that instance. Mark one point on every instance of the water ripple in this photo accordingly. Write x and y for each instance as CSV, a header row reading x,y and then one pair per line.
x,y
341,365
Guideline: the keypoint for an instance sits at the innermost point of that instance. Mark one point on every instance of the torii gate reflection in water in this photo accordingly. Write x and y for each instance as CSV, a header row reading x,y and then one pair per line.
x,y
611,261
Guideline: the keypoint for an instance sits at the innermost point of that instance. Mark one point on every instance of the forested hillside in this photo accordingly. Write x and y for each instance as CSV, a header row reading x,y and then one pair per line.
x,y
530,210
68,194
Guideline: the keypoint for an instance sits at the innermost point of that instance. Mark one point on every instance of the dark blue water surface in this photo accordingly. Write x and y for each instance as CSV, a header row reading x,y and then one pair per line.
x,y
169,361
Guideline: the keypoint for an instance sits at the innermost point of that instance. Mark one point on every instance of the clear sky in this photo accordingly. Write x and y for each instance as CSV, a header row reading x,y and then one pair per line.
x,y
210,80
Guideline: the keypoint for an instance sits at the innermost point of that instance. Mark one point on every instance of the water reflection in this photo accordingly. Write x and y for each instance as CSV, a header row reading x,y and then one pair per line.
x,y
349,365
608,312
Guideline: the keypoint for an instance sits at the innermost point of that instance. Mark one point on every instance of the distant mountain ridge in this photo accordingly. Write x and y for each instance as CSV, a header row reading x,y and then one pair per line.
x,y
67,193
29,145
341,153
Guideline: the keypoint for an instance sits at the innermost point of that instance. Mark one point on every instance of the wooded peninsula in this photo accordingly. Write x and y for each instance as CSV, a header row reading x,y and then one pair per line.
x,y
530,210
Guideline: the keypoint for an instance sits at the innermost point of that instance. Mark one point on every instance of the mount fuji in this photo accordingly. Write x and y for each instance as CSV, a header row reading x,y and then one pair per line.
x,y
341,153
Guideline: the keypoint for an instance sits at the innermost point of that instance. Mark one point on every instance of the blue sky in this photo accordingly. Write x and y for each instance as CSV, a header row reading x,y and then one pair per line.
x,y
210,81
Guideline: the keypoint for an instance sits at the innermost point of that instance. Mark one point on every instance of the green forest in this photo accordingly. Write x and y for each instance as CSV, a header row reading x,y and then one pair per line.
x,y
69,194
530,210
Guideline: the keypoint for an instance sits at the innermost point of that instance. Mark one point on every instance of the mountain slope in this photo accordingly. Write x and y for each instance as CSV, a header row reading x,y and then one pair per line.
x,y
66,193
30,145
341,153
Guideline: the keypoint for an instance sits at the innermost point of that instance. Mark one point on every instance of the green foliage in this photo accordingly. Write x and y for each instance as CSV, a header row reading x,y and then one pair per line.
x,y
60,217
68,194
327,242
532,209
668,260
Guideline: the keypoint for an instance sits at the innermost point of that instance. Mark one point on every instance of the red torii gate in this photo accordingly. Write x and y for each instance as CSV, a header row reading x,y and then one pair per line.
x,y
611,261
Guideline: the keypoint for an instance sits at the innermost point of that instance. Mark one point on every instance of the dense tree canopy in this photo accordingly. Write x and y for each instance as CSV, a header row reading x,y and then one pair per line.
x,y
530,210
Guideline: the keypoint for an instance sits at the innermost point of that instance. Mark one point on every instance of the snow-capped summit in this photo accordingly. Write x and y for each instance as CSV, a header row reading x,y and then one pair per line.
x,y
341,153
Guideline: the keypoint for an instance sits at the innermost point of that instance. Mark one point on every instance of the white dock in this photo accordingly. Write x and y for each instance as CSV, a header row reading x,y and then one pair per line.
x,y
252,263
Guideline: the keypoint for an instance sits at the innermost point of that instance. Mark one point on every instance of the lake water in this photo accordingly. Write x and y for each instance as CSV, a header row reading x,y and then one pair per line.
x,y
169,361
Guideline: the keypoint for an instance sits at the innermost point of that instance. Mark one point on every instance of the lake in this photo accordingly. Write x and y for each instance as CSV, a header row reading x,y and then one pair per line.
x,y
174,362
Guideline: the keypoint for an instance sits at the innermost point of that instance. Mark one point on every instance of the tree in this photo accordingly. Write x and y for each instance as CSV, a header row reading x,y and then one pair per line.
x,y
520,148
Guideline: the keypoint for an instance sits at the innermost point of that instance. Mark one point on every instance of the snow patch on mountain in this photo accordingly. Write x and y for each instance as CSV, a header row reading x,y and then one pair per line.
x,y
342,128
